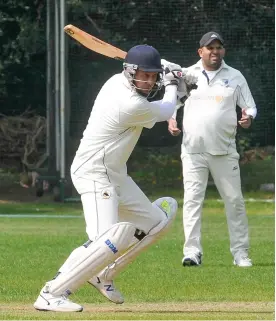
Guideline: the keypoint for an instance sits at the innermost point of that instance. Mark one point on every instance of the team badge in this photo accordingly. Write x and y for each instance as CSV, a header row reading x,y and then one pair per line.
x,y
105,194
226,82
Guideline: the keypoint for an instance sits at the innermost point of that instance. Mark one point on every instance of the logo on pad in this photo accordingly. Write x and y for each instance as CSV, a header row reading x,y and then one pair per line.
x,y
106,194
111,246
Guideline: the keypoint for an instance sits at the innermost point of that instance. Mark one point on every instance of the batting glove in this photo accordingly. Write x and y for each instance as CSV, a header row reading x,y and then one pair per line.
x,y
186,85
172,73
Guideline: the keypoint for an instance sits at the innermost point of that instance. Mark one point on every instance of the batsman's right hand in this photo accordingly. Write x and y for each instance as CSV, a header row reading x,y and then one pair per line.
x,y
186,85
189,78
172,127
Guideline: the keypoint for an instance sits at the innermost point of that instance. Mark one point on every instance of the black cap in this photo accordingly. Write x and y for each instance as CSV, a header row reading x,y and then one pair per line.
x,y
209,37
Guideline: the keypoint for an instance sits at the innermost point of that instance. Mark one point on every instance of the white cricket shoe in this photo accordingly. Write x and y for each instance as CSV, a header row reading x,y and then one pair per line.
x,y
107,289
48,302
243,261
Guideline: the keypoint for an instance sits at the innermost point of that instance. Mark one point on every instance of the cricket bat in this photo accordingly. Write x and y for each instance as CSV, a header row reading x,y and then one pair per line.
x,y
94,43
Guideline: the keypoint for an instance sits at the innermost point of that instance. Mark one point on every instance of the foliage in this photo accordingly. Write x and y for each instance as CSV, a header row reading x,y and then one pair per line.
x,y
153,168
258,172
22,44
161,168
23,138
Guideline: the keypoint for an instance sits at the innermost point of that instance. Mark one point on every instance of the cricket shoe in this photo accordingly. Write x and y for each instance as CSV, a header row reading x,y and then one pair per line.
x,y
107,289
192,260
48,302
242,261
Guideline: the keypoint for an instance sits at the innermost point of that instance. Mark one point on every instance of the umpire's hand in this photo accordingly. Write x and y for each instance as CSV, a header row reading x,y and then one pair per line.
x,y
246,120
172,127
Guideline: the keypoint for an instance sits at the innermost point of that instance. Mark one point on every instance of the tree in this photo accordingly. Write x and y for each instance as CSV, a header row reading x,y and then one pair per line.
x,y
22,54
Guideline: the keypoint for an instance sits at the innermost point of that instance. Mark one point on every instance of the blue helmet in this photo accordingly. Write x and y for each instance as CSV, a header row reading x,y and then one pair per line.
x,y
145,58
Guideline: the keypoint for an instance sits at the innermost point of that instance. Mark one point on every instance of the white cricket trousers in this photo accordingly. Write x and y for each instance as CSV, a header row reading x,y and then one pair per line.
x,y
225,171
105,204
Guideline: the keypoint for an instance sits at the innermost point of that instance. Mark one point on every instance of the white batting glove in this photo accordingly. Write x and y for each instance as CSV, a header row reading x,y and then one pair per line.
x,y
167,64
172,73
189,78
186,85
182,90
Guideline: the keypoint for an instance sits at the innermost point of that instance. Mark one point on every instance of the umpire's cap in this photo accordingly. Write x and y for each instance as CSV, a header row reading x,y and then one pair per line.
x,y
209,37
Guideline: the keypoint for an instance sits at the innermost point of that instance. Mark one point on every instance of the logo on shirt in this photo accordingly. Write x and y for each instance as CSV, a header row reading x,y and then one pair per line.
x,y
219,99
226,82
215,99
105,194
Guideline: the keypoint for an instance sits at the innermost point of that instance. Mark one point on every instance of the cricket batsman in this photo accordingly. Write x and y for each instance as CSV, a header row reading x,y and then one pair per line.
x,y
121,221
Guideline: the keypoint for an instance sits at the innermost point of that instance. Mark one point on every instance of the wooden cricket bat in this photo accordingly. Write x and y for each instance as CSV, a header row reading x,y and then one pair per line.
x,y
94,43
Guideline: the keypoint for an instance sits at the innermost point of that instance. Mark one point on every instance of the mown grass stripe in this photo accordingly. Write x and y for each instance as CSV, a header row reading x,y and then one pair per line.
x,y
39,216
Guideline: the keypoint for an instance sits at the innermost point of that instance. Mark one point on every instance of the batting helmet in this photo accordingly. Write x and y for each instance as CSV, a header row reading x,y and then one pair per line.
x,y
145,58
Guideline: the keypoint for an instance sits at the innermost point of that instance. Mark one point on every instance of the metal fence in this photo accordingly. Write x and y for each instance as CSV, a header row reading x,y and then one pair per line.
x,y
174,28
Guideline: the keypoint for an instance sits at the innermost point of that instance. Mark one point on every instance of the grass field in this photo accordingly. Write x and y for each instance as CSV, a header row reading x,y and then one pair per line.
x,y
155,286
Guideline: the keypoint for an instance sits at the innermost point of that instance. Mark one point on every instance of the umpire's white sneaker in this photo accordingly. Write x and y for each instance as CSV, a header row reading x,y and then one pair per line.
x,y
242,261
192,260
48,302
107,289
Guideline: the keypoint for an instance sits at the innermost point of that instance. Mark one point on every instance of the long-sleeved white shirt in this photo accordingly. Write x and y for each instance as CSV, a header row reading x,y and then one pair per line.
x,y
114,127
210,119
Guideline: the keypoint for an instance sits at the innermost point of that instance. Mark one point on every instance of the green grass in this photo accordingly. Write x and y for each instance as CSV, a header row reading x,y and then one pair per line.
x,y
75,208
41,208
32,249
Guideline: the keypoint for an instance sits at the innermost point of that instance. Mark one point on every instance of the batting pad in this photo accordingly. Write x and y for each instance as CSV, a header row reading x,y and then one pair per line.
x,y
169,206
96,256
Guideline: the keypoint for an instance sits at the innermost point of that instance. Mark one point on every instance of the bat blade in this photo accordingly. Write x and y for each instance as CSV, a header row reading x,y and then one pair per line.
x,y
94,43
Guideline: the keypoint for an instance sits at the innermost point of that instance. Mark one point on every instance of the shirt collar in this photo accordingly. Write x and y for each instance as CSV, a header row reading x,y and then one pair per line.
x,y
200,66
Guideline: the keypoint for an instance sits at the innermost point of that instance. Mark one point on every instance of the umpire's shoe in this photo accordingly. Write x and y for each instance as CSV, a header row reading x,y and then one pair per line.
x,y
242,261
192,260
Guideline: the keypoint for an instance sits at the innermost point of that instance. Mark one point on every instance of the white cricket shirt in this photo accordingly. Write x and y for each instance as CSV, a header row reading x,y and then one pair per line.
x,y
210,118
114,127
